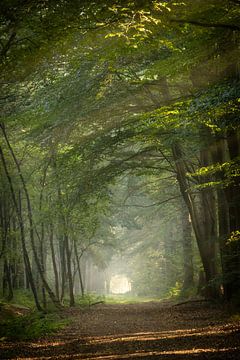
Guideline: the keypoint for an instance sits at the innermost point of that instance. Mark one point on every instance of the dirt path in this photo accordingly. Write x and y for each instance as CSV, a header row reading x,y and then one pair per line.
x,y
140,331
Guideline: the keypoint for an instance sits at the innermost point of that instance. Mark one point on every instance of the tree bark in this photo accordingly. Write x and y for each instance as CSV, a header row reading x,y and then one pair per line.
x,y
79,268
7,271
54,263
232,246
206,249
188,280
22,235
30,219
62,252
69,268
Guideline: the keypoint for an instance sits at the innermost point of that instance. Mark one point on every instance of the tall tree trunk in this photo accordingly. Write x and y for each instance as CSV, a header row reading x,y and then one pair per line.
x,y
188,280
3,223
69,268
62,253
43,260
30,219
220,155
43,257
65,253
79,268
232,246
227,150
7,271
22,235
208,221
206,250
54,263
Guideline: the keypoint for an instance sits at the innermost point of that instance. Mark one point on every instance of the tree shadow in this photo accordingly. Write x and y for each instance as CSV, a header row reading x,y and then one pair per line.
x,y
206,343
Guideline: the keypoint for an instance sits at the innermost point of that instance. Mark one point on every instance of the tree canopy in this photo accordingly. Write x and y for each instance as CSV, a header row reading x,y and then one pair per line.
x,y
121,105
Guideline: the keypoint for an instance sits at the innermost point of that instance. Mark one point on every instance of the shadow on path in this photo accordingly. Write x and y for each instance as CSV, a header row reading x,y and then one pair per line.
x,y
207,342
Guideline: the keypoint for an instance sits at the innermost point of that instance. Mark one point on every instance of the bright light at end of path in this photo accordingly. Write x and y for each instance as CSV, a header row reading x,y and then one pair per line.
x,y
120,284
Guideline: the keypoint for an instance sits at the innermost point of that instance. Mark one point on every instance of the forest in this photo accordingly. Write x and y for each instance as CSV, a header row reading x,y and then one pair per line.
x,y
119,151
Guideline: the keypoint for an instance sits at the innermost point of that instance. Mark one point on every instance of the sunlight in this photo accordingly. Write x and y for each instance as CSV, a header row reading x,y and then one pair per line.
x,y
149,336
145,354
120,284
136,340
47,344
137,354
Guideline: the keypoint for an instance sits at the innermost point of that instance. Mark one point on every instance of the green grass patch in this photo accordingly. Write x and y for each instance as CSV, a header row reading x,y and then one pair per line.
x,y
89,299
128,299
24,298
30,326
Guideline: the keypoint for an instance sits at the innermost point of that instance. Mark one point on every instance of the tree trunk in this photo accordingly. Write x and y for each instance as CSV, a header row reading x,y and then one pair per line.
x,y
232,246
22,235
42,252
43,259
54,263
62,252
69,268
30,219
7,271
188,280
79,268
199,222
227,150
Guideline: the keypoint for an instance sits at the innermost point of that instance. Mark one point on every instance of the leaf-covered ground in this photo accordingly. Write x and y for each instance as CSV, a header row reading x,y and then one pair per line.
x,y
195,330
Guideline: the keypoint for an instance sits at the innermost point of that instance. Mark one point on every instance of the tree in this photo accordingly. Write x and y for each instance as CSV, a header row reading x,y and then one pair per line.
x,y
112,94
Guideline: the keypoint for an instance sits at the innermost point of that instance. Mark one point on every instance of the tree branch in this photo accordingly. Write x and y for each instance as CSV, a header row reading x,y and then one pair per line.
x,y
8,44
154,204
214,25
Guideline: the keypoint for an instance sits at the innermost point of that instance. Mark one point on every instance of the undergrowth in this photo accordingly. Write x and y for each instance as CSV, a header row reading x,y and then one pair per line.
x,y
30,326
128,299
89,299
92,299
23,298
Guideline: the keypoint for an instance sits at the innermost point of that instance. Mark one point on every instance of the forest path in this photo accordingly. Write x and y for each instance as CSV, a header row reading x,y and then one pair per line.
x,y
151,330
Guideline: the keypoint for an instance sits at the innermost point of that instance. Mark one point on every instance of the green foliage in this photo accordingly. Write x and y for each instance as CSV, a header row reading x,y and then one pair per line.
x,y
31,326
96,91
187,293
234,237
129,299
175,291
24,298
89,299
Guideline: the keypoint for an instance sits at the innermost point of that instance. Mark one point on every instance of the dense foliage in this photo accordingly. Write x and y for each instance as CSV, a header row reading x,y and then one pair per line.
x,y
119,139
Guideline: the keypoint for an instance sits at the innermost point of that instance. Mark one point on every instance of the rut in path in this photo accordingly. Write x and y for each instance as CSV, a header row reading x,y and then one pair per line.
x,y
140,331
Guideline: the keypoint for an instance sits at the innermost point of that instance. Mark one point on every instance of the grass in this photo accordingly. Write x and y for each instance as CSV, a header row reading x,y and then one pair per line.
x,y
128,299
30,326
90,299
19,319
23,298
